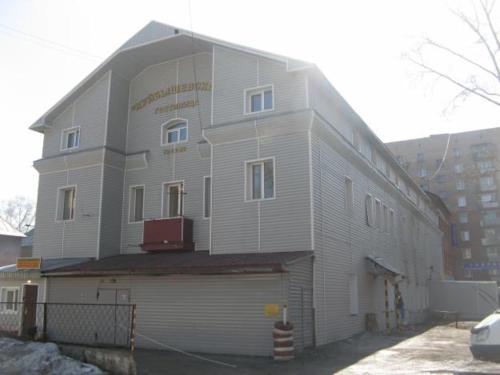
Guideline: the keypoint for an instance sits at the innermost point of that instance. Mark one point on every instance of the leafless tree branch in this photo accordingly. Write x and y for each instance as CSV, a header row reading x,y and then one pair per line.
x,y
471,90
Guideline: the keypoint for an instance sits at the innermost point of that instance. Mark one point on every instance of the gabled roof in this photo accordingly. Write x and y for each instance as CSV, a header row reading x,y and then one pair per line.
x,y
7,230
154,43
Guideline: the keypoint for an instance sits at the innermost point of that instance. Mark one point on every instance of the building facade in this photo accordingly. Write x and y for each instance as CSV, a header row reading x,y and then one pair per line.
x,y
211,183
463,169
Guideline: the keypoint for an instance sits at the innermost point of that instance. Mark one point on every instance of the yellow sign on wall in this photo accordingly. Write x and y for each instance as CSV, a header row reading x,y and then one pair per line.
x,y
28,263
271,309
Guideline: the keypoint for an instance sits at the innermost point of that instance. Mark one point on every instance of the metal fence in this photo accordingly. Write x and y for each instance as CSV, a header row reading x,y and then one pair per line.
x,y
70,323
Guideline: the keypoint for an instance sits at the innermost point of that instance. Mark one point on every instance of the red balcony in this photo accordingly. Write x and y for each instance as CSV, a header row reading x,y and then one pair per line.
x,y
168,234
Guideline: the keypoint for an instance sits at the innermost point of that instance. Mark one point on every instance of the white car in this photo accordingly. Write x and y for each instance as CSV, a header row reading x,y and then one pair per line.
x,y
485,338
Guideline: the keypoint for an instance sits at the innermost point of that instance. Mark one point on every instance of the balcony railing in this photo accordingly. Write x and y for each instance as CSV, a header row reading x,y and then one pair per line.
x,y
168,234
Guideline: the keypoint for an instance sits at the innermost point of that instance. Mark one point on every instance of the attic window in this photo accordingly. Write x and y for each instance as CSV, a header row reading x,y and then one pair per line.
x,y
260,99
70,138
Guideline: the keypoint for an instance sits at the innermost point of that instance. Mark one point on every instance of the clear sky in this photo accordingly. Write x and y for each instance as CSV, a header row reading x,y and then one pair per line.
x,y
358,44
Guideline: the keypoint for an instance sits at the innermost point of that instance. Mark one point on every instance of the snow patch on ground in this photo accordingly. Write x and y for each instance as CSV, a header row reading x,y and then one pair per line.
x,y
30,358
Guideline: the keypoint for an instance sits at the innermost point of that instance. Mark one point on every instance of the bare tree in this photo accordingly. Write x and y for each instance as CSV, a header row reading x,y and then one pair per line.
x,y
473,68
18,212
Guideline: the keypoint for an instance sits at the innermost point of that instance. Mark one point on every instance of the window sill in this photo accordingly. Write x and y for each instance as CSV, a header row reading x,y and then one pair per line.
x,y
258,112
260,200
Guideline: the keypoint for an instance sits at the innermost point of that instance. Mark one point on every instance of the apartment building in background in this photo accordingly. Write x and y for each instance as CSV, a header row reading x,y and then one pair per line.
x,y
213,184
463,169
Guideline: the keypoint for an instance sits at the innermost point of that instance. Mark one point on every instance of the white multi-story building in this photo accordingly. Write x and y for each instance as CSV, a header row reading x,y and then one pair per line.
x,y
212,183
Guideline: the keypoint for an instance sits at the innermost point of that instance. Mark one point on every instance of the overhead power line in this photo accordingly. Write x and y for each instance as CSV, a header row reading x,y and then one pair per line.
x,y
10,31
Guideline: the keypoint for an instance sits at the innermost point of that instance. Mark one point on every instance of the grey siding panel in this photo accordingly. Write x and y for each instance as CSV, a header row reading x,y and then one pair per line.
x,y
77,238
47,241
112,195
118,111
280,224
144,134
89,112
342,243
236,71
212,314
300,302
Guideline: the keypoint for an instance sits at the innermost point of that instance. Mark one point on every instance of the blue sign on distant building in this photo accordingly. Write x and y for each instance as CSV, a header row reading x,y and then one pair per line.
x,y
482,266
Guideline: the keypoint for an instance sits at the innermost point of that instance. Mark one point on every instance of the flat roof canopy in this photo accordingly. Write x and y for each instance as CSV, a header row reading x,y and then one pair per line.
x,y
183,262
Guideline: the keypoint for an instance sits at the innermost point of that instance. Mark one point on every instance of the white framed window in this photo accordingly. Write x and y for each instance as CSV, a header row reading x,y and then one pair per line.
x,y
353,295
349,195
70,138
462,201
465,235
457,153
493,252
459,168
422,172
174,131
66,203
490,233
487,182
463,217
260,179
207,196
259,99
173,199
420,156
9,296
486,198
467,253
136,204
369,210
460,185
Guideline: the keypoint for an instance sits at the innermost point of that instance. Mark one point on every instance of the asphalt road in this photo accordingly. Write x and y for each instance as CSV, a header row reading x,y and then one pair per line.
x,y
441,349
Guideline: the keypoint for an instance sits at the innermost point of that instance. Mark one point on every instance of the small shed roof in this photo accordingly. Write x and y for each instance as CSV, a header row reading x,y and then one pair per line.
x,y
7,230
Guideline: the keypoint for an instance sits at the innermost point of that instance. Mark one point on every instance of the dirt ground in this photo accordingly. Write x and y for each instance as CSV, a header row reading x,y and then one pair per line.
x,y
440,349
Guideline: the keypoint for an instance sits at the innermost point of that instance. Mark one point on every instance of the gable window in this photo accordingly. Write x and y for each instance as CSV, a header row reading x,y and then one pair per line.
x,y
348,195
9,298
136,204
369,210
174,131
66,203
173,199
260,99
70,138
260,179
207,194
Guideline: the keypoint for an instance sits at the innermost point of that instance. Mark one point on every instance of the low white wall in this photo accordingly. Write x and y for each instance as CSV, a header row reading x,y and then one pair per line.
x,y
473,300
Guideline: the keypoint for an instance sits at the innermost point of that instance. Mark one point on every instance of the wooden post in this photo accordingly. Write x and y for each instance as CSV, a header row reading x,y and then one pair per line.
x,y
386,293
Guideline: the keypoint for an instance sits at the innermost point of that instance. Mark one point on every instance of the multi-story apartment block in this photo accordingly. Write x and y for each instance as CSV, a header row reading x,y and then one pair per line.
x,y
463,169
213,184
